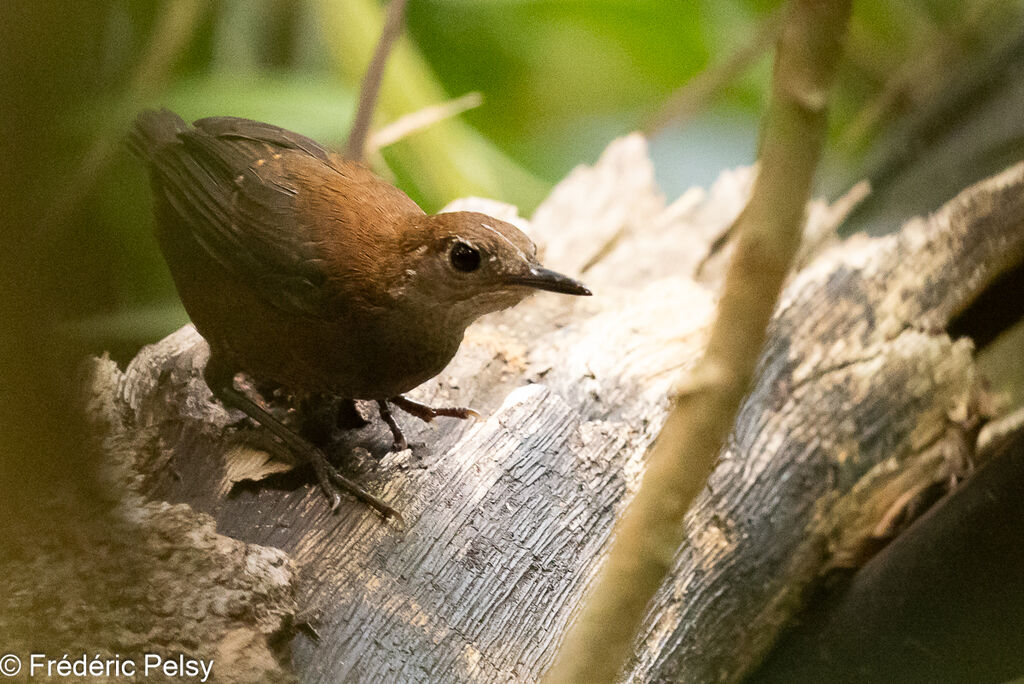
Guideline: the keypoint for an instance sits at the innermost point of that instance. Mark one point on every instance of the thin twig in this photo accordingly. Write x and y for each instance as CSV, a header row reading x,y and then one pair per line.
x,y
409,124
650,532
355,148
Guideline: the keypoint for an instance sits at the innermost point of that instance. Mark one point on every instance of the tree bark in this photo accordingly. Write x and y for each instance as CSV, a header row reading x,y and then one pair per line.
x,y
862,405
943,603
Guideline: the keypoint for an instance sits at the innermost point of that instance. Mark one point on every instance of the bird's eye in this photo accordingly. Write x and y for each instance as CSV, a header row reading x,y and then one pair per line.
x,y
464,258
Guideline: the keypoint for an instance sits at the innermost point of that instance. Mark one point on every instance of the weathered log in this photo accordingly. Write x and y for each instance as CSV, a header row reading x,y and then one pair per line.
x,y
862,403
943,603
101,574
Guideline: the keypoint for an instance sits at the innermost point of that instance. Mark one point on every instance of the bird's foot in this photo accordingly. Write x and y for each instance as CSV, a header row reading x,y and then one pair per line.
x,y
429,413
421,411
331,481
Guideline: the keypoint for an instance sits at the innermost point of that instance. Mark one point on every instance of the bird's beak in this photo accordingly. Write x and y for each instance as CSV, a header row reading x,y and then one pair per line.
x,y
542,278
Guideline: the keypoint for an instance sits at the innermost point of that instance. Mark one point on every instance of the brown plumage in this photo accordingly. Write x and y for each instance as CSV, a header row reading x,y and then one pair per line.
x,y
307,270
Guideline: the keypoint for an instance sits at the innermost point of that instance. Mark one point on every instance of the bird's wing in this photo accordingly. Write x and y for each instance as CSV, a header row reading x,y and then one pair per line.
x,y
229,184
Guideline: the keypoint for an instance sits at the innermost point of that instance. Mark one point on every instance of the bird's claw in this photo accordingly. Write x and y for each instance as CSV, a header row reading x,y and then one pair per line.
x,y
421,411
428,413
331,480
386,511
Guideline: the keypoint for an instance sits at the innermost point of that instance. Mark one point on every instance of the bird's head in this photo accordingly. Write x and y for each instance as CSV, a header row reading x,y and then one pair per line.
x,y
466,264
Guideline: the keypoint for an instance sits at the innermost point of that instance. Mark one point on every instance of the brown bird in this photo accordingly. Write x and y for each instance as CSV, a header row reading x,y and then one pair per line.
x,y
305,269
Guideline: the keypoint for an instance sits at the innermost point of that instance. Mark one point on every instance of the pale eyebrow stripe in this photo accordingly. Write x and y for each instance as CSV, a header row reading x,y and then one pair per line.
x,y
510,243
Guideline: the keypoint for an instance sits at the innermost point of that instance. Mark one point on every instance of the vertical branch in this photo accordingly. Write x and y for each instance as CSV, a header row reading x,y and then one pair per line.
x,y
393,22
647,538
444,161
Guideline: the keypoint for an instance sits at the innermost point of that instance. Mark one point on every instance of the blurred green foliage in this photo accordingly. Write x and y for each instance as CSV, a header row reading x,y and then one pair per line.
x,y
559,78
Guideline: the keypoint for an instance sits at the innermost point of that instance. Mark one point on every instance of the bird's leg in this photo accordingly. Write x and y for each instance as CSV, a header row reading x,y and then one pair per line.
x,y
221,382
429,413
401,443
421,411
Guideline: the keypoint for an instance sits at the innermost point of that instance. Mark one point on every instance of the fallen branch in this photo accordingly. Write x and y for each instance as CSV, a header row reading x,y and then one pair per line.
x,y
507,519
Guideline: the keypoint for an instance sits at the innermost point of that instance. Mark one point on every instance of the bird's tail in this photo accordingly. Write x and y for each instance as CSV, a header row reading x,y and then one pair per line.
x,y
153,130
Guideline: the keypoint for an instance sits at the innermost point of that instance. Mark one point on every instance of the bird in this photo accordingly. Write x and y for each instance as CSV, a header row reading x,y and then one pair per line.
x,y
306,270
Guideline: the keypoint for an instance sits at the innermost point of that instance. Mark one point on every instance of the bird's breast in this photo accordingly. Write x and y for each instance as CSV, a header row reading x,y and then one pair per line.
x,y
357,354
